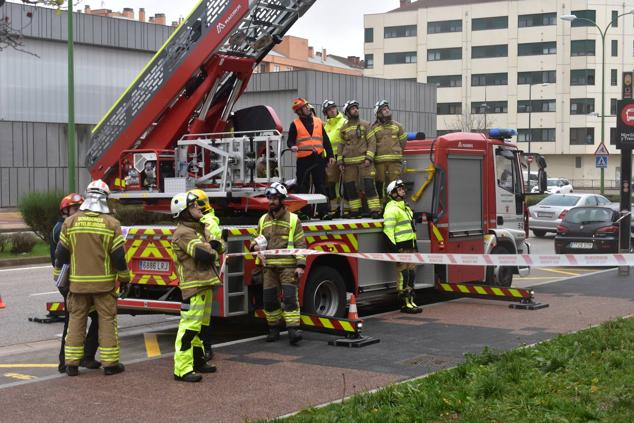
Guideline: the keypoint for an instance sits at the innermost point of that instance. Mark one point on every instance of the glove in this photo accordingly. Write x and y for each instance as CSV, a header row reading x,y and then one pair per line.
x,y
216,245
123,289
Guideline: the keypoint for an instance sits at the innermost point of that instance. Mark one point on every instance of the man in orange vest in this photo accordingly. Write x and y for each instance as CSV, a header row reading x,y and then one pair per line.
x,y
308,140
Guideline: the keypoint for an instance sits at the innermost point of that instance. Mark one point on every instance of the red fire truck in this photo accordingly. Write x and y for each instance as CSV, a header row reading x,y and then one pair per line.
x,y
174,129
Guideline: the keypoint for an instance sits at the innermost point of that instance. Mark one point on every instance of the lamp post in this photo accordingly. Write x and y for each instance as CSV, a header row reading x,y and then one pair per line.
x,y
603,32
72,168
530,112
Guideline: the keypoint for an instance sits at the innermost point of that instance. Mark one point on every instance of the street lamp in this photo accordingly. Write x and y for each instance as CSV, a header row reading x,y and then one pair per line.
x,y
530,112
603,32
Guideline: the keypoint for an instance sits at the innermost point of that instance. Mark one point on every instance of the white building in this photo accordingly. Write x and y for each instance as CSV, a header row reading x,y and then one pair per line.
x,y
489,57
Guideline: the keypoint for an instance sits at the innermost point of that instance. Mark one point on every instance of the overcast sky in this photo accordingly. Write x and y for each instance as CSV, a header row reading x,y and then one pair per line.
x,y
336,25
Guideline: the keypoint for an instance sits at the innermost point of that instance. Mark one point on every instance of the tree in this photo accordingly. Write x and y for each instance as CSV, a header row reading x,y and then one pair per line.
x,y
468,122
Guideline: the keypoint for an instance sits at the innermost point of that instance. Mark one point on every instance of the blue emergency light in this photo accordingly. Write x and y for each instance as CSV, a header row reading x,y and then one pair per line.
x,y
502,133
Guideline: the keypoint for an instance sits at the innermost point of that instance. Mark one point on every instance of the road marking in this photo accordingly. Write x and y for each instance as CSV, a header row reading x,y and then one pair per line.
x,y
524,278
20,376
559,271
151,345
25,268
43,293
20,365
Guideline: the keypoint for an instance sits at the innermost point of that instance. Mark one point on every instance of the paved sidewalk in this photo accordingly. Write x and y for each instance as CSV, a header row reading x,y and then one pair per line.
x,y
11,221
260,380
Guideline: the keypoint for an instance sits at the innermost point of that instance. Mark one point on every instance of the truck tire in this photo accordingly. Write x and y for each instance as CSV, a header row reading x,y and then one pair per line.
x,y
539,233
325,293
505,274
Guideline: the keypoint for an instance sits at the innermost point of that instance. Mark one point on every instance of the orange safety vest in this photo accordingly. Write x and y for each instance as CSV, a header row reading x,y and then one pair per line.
x,y
307,143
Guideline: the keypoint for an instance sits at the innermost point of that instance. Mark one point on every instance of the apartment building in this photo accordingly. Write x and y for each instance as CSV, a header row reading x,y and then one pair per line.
x,y
515,63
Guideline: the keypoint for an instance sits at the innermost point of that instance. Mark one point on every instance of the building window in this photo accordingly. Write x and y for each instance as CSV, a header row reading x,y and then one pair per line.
x,y
582,76
582,47
444,26
445,80
586,14
614,77
399,58
536,135
536,77
612,136
581,136
484,79
615,18
538,106
490,107
369,61
613,106
399,31
276,68
578,162
534,49
449,108
497,22
537,19
369,35
435,54
483,52
581,106
615,48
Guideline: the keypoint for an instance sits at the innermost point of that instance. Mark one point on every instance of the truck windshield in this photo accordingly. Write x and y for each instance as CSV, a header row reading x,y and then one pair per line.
x,y
505,170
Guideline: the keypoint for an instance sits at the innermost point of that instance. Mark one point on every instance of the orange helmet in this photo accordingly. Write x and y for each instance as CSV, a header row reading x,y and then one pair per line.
x,y
298,103
72,199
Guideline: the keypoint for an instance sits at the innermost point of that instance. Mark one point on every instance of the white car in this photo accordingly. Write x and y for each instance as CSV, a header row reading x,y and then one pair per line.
x,y
556,186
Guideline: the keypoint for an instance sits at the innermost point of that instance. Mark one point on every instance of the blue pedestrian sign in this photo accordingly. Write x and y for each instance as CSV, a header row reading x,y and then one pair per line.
x,y
601,162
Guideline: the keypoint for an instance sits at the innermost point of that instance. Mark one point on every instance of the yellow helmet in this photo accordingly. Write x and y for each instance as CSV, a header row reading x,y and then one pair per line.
x,y
200,198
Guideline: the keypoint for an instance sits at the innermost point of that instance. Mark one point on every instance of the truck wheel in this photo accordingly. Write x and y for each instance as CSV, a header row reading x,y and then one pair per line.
x,y
325,293
504,275
539,233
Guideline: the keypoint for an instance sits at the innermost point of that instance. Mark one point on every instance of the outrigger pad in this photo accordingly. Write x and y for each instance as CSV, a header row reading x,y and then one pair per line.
x,y
528,306
48,319
361,341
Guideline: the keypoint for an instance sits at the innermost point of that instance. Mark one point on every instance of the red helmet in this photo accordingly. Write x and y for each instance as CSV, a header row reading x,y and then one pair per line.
x,y
298,103
72,199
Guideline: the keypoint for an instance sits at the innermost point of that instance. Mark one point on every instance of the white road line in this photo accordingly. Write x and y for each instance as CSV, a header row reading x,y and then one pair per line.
x,y
43,293
26,268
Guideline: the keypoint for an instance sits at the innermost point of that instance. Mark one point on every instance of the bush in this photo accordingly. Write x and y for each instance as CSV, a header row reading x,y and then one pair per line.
x,y
22,242
40,211
134,214
4,242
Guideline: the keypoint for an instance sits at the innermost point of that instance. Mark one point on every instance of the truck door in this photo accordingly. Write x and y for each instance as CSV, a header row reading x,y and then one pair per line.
x,y
508,190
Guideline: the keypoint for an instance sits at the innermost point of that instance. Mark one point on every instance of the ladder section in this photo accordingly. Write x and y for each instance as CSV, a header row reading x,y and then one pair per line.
x,y
236,298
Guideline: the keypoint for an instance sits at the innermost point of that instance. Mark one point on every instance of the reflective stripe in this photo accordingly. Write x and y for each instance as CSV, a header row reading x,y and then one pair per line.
x,y
388,158
307,143
353,160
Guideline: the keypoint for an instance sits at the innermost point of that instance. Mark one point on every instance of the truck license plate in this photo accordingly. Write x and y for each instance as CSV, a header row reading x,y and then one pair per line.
x,y
154,265
583,245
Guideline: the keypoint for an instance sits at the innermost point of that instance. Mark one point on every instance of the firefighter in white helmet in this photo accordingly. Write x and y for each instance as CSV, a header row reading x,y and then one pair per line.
x,y
92,241
332,126
398,228
281,229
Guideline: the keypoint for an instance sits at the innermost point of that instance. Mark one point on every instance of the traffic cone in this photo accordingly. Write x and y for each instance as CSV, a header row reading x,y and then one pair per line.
x,y
352,309
3,305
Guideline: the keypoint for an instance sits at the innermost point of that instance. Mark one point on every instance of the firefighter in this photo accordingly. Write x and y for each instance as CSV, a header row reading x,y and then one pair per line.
x,y
280,229
92,243
68,207
399,230
308,140
195,265
390,141
356,161
334,122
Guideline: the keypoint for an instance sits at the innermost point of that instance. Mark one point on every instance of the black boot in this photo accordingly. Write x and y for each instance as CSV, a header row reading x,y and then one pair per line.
x,y
72,370
200,365
189,377
113,370
90,363
209,353
61,367
274,334
294,335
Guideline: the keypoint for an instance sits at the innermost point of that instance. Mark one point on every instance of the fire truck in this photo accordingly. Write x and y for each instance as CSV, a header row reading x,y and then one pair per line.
x,y
174,129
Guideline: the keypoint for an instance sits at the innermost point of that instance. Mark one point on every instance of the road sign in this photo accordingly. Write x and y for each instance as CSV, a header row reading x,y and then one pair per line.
x,y
601,150
625,124
601,162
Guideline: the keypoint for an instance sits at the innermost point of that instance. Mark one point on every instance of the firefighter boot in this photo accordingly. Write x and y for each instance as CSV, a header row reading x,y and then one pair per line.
x,y
294,335
90,363
200,365
72,370
189,377
414,307
113,370
209,353
274,334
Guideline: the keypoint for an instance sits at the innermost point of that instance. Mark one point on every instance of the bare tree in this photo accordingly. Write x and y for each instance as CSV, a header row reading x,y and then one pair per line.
x,y
468,122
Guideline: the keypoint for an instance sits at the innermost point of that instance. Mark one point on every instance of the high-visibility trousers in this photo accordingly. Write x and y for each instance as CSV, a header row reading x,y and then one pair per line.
x,y
195,312
332,185
359,179
284,279
405,275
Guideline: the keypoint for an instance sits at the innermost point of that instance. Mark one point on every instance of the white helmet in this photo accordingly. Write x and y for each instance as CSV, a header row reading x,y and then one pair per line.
x,y
379,105
178,204
348,105
393,185
276,189
327,105
97,193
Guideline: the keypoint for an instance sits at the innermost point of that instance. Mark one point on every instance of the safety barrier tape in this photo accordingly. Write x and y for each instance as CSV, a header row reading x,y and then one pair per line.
x,y
522,260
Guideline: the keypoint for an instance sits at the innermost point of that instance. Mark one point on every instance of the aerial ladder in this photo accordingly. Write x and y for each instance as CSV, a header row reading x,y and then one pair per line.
x,y
174,127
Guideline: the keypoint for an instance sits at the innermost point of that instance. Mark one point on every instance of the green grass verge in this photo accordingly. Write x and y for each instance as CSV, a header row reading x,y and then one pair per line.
x,y
41,249
583,377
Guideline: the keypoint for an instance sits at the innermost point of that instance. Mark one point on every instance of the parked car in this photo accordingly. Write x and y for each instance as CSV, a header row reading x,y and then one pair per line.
x,y
556,186
588,230
546,215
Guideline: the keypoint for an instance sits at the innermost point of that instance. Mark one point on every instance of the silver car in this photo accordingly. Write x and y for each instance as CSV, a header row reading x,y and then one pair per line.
x,y
546,215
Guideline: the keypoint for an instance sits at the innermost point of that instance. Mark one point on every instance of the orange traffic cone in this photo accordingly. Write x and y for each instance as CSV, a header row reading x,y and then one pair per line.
x,y
352,309
3,305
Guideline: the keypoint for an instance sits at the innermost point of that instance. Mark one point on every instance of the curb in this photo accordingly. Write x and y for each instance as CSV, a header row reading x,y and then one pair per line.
x,y
14,262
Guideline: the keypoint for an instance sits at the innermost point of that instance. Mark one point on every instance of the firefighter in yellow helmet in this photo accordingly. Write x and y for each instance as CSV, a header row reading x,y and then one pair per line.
x,y
390,139
196,259
334,122
398,227
92,244
356,161
280,229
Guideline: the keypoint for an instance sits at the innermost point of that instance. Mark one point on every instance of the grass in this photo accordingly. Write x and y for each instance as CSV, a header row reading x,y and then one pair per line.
x,y
583,377
41,249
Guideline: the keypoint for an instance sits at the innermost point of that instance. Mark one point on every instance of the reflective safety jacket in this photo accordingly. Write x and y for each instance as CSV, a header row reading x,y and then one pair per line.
x,y
92,244
194,259
390,141
332,127
306,142
355,145
398,225
283,230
